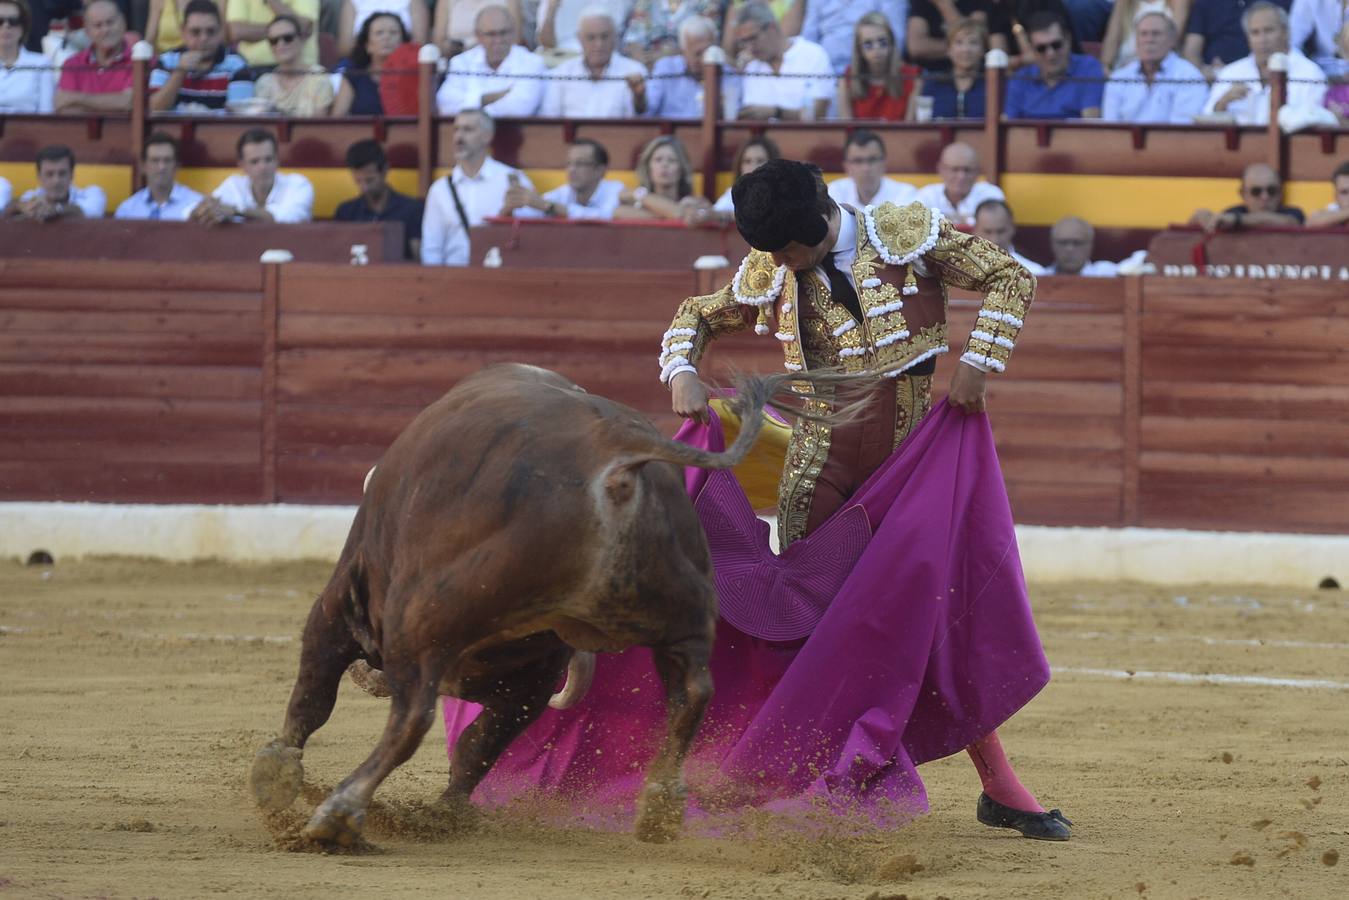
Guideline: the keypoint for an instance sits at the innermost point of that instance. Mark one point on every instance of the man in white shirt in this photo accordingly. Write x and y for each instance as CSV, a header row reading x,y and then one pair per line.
x,y
260,193
1072,239
1242,87
481,77
162,198
586,195
866,184
958,194
56,197
789,78
993,222
479,190
1158,87
600,83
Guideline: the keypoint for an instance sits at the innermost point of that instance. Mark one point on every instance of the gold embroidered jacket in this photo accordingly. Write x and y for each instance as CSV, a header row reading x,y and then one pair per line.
x,y
907,256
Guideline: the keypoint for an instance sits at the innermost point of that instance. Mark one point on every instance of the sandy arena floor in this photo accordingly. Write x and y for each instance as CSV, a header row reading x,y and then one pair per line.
x,y
1198,736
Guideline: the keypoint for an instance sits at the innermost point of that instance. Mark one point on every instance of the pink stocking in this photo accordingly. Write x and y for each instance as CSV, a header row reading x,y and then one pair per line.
x,y
1000,782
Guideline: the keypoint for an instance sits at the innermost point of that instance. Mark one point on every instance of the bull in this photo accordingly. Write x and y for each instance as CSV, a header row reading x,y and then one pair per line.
x,y
516,527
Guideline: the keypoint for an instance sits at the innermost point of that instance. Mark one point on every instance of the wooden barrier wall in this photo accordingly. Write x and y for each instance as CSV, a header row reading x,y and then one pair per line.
x,y
1192,403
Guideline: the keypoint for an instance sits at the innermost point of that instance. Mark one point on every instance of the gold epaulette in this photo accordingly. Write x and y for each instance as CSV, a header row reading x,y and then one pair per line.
x,y
901,234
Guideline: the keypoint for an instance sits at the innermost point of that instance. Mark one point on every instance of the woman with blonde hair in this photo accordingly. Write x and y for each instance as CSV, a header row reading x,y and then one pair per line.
x,y
877,85
294,87
665,183
958,93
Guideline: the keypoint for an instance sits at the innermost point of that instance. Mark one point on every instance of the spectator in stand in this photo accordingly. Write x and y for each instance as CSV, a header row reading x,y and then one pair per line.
x,y
1158,86
586,195
1089,18
1337,97
56,196
164,24
455,25
1062,85
664,183
1337,213
788,78
654,27
202,74
98,80
163,198
1215,36
993,222
959,92
865,183
377,201
475,189
753,153
26,82
1120,46
833,25
876,84
359,95
1262,205
611,86
560,23
676,87
930,22
1320,22
294,87
1242,88
1007,28
959,192
414,14
249,21
1072,239
260,193
484,77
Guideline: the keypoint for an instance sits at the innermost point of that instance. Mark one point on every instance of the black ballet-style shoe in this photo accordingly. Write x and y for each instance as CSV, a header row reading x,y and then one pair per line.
x,y
1041,826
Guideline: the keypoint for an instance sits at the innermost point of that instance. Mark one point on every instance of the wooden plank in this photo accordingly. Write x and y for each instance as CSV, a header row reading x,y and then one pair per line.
x,y
1209,364
132,413
111,275
41,297
1057,503
345,424
1098,331
1039,430
107,322
1011,393
201,349
1245,505
1255,401
1250,437
1243,297
1297,331
114,448
201,382
156,482
452,332
1132,385
1232,467
1061,467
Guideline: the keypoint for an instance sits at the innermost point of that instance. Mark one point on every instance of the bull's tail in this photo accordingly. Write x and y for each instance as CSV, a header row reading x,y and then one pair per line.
x,y
580,674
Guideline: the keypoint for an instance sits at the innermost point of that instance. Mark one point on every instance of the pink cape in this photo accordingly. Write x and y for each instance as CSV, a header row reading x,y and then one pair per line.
x,y
833,681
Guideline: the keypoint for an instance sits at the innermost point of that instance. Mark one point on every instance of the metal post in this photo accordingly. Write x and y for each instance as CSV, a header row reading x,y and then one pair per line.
x,y
141,55
995,72
428,57
713,60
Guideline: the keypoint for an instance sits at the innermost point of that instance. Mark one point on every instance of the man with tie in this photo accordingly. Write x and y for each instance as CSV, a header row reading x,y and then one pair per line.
x,y
863,291
162,198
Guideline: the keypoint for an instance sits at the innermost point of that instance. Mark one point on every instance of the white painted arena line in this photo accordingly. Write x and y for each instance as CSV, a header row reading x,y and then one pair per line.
x,y
1316,684
1202,639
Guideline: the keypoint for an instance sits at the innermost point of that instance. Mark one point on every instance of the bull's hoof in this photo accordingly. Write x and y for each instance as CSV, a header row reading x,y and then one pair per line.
x,y
369,679
277,776
335,823
660,812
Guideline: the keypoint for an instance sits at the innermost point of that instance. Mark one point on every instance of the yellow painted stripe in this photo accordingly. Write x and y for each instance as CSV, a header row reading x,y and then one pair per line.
x,y
1107,201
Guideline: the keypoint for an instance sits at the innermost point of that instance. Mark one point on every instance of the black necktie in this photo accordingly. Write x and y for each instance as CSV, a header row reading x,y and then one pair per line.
x,y
840,289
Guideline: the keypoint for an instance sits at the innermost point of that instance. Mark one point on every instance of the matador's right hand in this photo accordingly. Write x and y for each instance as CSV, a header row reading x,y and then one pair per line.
x,y
688,397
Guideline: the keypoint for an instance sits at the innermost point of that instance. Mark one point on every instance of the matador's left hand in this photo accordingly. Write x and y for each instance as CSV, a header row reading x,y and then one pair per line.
x,y
967,389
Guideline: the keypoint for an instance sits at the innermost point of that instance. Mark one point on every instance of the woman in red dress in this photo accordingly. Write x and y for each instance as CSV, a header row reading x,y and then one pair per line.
x,y
877,85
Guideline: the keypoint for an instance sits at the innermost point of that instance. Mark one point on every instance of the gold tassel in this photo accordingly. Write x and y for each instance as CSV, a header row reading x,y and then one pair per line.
x,y
910,283
761,326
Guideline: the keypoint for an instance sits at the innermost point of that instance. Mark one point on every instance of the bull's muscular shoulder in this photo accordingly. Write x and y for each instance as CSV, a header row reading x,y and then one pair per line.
x,y
901,234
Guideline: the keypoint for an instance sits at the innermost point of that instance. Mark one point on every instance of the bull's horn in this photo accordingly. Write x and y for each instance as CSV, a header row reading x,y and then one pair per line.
x,y
580,673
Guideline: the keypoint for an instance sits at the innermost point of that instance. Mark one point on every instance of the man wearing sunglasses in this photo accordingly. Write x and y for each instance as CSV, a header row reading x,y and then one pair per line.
x,y
1261,206
1062,84
202,74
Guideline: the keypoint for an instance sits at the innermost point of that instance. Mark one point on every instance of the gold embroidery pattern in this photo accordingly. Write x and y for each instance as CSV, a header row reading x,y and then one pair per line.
x,y
913,399
697,321
807,451
902,229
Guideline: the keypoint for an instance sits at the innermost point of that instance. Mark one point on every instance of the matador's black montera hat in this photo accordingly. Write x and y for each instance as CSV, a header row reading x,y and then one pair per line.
x,y
778,203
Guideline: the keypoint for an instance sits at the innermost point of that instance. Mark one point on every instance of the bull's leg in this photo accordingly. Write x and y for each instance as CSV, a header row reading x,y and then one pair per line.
x,y
522,698
339,819
328,648
683,669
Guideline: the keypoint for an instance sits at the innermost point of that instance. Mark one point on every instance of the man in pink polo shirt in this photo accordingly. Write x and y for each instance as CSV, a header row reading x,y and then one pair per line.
x,y
99,79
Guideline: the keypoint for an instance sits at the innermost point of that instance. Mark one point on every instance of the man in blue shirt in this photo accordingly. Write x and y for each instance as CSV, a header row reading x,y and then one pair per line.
x,y
1159,87
162,198
675,88
1064,85
378,202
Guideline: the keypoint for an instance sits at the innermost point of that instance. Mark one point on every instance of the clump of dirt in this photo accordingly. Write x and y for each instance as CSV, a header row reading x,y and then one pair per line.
x,y
1261,824
421,821
1227,757
1294,841
1242,858
1330,857
899,867
1314,782
141,825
